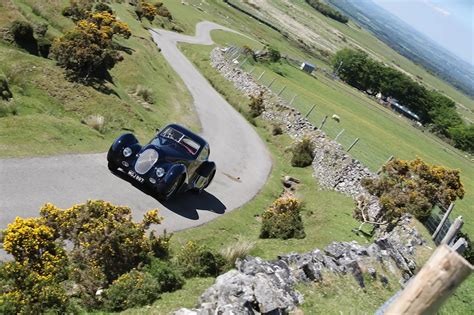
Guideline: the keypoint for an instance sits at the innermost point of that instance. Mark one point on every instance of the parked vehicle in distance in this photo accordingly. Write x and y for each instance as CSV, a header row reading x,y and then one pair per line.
x,y
175,160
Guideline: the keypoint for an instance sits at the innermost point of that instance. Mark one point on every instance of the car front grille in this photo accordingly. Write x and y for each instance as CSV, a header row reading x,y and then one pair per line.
x,y
145,161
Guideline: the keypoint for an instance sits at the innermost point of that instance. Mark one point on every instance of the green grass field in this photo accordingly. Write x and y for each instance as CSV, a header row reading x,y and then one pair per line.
x,y
327,216
51,108
330,30
382,132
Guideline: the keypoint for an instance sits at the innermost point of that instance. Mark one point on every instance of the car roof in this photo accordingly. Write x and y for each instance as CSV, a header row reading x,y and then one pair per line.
x,y
188,133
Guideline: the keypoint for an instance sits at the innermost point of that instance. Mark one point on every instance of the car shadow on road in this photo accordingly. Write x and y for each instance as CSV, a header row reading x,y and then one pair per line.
x,y
184,204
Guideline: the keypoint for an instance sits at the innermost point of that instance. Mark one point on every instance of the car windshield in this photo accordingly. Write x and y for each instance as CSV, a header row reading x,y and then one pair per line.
x,y
189,144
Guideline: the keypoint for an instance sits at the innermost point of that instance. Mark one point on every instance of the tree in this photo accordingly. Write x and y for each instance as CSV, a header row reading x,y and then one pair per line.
x,y
413,187
463,137
78,10
87,50
146,10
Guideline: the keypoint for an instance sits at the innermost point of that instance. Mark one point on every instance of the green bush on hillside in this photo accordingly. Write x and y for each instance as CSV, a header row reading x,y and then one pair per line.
x,y
412,187
5,92
463,137
132,289
88,51
274,54
195,260
283,219
103,7
168,278
303,153
256,105
78,10
23,35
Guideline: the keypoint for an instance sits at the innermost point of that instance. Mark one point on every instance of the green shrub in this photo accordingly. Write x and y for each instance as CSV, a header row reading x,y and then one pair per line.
x,y
8,108
44,47
412,187
256,105
160,245
469,252
163,11
5,92
195,260
274,54
463,137
165,275
41,29
277,129
77,10
23,35
303,153
103,7
146,94
283,220
131,289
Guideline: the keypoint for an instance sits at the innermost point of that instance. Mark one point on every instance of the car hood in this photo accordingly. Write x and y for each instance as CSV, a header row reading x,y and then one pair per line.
x,y
166,153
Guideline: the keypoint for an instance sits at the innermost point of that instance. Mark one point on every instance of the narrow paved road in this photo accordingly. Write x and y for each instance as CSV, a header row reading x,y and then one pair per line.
x,y
27,183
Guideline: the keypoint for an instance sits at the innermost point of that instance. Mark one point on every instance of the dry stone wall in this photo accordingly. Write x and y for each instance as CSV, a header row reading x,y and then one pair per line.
x,y
257,286
332,166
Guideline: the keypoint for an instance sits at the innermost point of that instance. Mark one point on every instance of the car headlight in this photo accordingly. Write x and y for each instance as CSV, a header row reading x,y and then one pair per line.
x,y
127,152
160,172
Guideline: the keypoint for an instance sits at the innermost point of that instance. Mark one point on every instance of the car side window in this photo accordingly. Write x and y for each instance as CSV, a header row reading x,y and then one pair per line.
x,y
204,155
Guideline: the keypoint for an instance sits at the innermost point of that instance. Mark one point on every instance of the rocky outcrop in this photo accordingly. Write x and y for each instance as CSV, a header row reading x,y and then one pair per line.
x,y
332,166
267,287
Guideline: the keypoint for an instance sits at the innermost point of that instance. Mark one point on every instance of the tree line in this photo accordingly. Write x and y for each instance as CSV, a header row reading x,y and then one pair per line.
x,y
328,11
438,111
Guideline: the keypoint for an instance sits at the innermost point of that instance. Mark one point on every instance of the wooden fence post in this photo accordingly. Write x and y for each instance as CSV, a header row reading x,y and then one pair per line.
x,y
271,83
323,122
353,144
453,230
436,281
293,99
281,91
461,245
339,134
388,160
309,112
260,76
443,220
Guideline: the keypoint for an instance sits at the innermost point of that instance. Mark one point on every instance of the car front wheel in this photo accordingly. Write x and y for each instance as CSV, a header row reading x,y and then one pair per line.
x,y
174,188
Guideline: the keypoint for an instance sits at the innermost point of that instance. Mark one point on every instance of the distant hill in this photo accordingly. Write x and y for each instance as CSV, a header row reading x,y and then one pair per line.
x,y
410,43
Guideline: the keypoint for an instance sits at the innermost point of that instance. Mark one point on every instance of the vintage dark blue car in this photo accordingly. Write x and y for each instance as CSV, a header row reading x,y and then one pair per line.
x,y
175,160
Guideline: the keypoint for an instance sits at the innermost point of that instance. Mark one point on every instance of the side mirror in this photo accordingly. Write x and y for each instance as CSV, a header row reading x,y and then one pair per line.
x,y
157,130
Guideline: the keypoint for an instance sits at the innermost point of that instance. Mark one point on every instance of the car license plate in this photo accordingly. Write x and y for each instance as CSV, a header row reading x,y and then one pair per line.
x,y
133,175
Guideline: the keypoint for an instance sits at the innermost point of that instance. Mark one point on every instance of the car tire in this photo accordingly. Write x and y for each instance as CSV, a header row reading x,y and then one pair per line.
x,y
211,177
112,167
209,180
174,188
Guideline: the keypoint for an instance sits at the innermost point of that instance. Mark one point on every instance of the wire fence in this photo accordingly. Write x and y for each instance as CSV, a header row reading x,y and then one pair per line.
x,y
310,106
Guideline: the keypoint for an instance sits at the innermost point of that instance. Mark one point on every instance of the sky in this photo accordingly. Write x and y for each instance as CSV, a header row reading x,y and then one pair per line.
x,y
450,23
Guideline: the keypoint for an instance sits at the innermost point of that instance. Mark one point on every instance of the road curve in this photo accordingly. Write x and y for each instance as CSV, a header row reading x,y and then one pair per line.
x,y
242,159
